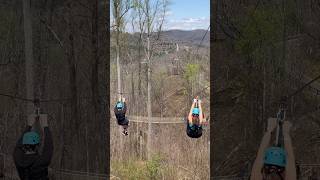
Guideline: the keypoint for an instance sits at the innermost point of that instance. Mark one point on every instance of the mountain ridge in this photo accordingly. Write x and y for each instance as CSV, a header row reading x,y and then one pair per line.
x,y
193,37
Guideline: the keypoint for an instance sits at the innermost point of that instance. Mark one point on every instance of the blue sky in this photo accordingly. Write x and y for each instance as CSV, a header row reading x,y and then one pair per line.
x,y
188,14
183,15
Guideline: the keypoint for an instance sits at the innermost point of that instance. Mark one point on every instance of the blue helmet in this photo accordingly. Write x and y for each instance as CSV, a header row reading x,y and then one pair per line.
x,y
119,105
195,111
275,156
31,138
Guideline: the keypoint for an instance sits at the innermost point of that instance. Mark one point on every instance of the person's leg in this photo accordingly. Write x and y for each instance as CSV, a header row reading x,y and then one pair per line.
x,y
118,121
188,130
125,127
125,131
199,132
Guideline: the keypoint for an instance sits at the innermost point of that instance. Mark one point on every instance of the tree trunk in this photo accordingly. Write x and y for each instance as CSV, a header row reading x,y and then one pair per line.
x,y
133,98
149,143
264,89
95,54
118,62
27,16
74,123
62,137
139,76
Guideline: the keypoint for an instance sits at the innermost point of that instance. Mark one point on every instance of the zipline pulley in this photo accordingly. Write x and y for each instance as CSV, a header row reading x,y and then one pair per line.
x,y
37,112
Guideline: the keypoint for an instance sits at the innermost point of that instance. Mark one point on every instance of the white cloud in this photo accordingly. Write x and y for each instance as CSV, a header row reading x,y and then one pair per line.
x,y
169,13
188,23
191,23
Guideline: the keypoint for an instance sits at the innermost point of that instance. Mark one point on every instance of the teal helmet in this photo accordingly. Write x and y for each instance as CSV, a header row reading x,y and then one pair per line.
x,y
31,138
275,156
195,111
119,105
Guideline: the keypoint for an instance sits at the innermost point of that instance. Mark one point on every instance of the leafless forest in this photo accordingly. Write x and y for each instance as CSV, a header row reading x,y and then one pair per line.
x,y
159,75
60,47
263,50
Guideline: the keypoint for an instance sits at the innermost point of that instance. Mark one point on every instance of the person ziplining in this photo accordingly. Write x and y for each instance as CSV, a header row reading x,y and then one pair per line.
x,y
276,162
195,119
120,110
29,162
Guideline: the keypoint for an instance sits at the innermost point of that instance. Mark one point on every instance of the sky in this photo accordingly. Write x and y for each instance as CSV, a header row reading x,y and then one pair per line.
x,y
184,15
188,14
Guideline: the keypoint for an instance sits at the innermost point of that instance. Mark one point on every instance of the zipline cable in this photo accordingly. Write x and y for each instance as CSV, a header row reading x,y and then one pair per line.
x,y
203,38
300,89
45,101
282,111
294,93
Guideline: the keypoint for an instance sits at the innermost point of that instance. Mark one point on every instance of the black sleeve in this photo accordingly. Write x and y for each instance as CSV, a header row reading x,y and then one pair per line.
x,y
47,150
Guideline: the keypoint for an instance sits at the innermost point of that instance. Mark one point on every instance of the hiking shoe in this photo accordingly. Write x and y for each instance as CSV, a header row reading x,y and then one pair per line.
x,y
125,133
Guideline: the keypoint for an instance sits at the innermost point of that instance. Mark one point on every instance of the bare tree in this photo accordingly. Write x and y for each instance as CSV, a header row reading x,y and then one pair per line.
x,y
120,8
154,21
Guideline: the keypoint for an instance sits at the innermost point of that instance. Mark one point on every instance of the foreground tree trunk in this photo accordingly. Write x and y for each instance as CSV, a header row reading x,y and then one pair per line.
x,y
28,52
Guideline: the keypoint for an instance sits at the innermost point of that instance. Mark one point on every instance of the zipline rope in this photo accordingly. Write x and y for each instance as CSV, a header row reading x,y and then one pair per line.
x,y
302,88
285,98
282,111
202,39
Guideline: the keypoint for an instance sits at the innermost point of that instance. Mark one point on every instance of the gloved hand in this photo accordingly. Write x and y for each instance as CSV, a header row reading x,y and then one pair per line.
x,y
43,120
31,119
194,100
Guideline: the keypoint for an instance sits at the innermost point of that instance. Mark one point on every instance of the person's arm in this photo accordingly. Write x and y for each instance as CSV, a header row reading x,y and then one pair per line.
x,y
47,150
200,113
115,110
258,163
291,173
124,105
190,112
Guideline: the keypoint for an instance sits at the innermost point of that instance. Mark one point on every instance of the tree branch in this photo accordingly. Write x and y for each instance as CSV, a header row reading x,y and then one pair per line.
x,y
53,33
